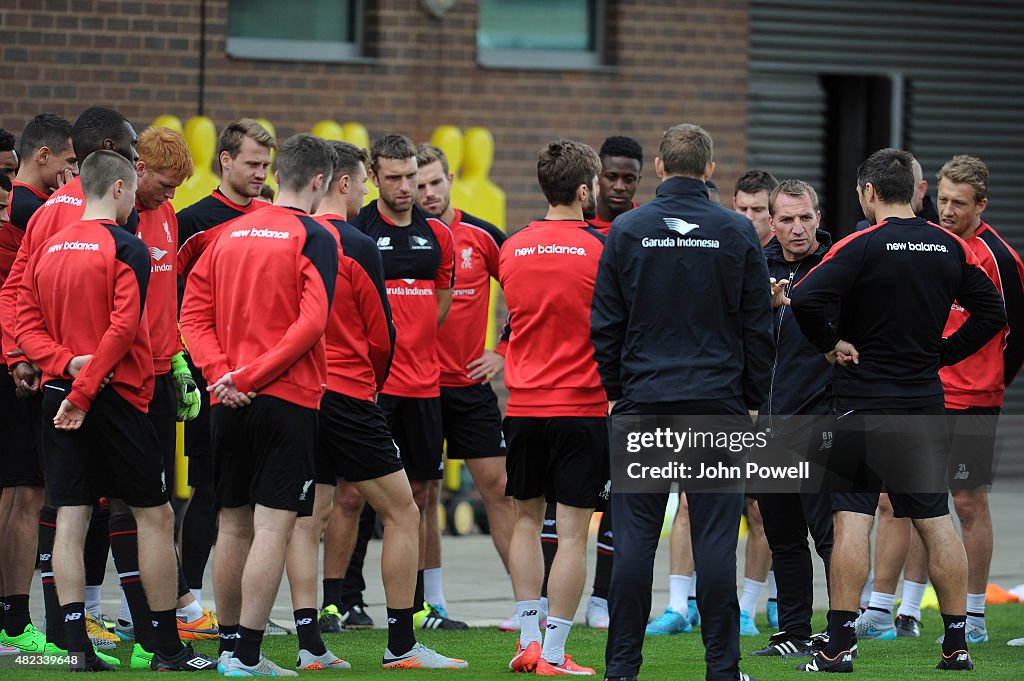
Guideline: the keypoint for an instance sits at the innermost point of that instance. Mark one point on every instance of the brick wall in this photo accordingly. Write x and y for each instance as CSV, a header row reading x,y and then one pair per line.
x,y
672,61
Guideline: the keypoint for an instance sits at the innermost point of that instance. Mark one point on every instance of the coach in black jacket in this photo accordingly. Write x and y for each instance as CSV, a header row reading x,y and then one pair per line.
x,y
681,324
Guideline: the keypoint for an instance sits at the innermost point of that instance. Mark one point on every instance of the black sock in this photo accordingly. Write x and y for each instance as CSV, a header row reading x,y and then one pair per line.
x,y
605,556
418,597
54,615
887,612
124,545
332,592
97,546
3,612
307,628
548,545
955,636
74,628
228,637
18,616
247,649
841,627
401,638
165,633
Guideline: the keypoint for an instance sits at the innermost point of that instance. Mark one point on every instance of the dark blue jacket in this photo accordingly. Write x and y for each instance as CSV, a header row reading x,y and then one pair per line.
x,y
682,305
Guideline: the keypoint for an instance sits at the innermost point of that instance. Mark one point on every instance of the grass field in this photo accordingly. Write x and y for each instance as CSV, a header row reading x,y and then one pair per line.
x,y
675,657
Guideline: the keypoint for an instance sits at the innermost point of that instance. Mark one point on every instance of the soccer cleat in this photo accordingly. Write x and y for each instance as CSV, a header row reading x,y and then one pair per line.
x,y
435,617
747,626
124,630
262,668
108,623
223,660
773,613
743,676
141,658
958,661
203,629
356,617
597,613
525,659
669,622
567,668
30,640
309,662
87,662
213,617
819,641
185,660
509,623
1015,642
330,620
99,636
907,626
51,650
974,636
783,645
843,662
870,629
275,629
421,657
692,613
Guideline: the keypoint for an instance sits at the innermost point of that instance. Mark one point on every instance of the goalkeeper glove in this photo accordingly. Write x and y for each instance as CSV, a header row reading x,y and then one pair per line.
x,y
185,389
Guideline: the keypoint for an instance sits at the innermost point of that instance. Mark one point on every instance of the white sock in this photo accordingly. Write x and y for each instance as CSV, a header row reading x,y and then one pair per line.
x,y
678,588
976,610
191,612
198,595
865,593
92,600
881,601
693,584
913,594
544,607
554,640
529,622
751,595
433,589
773,590
126,614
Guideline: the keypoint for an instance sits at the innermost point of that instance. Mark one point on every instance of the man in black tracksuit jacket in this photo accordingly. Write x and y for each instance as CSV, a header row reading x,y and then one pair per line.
x,y
681,324
800,386
895,283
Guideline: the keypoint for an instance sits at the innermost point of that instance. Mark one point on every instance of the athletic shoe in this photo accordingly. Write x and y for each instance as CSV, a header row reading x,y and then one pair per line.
x,y
124,630
275,629
330,620
309,662
203,629
86,662
355,617
509,623
669,622
30,640
870,629
223,660
974,636
141,658
525,660
567,668
843,662
421,657
51,650
747,626
185,660
262,668
213,617
692,613
743,676
435,617
597,613
1015,642
784,645
819,641
108,623
773,613
99,636
958,661
907,626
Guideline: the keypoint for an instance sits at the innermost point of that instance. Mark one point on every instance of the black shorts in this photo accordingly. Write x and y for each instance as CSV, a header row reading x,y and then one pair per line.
x,y
354,442
19,435
114,454
200,469
415,423
972,446
264,454
163,414
472,422
563,459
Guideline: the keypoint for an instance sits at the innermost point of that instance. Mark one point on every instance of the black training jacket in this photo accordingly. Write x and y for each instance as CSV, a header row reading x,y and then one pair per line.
x,y
895,283
682,305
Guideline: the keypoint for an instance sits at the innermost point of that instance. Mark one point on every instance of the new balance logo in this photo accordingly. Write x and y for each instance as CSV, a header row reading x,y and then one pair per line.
x,y
957,625
961,472
231,637
154,624
72,616
384,243
812,666
848,657
43,557
157,253
303,622
528,613
552,626
852,624
680,225
392,620
962,657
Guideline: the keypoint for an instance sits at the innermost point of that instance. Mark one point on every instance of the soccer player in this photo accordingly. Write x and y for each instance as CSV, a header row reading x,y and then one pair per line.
x,y
418,257
8,155
99,442
622,159
356,450
469,407
555,423
261,350
750,198
888,359
722,369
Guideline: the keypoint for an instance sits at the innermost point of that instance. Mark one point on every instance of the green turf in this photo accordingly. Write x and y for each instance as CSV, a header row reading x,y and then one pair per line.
x,y
673,657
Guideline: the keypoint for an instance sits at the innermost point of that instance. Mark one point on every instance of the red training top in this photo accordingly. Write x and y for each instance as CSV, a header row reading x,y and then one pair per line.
x,y
158,228
24,202
604,226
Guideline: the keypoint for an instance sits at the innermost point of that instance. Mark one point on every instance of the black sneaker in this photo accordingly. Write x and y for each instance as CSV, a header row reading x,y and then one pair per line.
x,y
958,661
355,617
185,660
819,641
908,626
330,620
843,662
433,617
784,645
87,662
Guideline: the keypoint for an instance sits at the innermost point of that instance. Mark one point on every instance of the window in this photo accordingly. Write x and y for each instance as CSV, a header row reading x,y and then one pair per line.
x,y
540,34
295,30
